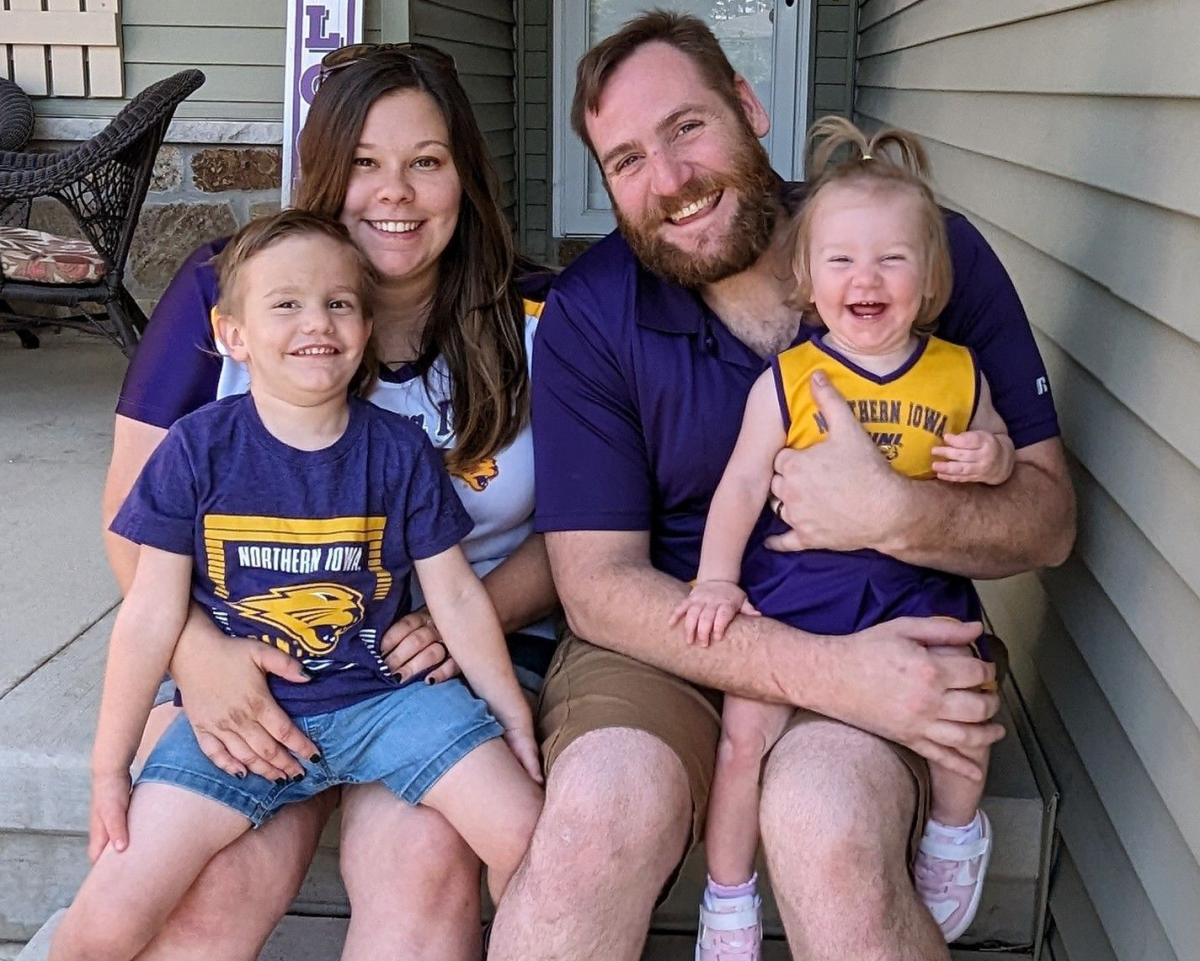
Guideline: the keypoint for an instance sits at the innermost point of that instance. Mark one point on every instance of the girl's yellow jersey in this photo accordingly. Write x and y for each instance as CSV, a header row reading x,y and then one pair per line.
x,y
906,412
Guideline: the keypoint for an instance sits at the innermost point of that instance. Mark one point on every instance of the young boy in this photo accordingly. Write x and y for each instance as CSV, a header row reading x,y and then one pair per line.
x,y
296,514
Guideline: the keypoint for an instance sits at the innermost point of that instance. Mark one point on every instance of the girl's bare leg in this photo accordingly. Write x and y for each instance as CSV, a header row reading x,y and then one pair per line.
x,y
954,799
749,729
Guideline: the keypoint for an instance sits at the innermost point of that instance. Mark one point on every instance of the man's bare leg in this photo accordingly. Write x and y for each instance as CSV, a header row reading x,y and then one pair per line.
x,y
836,813
617,816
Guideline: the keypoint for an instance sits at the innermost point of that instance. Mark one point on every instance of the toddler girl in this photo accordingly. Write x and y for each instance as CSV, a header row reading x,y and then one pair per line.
x,y
871,261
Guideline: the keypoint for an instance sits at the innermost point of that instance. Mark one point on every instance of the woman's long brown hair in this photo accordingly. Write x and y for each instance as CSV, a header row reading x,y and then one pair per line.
x,y
476,320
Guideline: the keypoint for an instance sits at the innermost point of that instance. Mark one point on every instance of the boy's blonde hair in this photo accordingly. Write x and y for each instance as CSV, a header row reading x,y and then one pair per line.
x,y
265,232
889,160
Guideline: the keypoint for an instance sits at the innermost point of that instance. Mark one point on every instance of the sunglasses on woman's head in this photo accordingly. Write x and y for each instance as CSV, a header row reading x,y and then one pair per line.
x,y
420,53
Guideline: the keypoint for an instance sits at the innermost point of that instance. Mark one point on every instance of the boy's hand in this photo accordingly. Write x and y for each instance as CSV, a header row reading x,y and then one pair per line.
x,y
975,457
523,744
110,802
709,609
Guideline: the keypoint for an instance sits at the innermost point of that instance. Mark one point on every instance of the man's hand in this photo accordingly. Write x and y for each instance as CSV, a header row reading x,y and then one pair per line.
x,y
709,609
891,685
107,823
413,645
836,493
975,457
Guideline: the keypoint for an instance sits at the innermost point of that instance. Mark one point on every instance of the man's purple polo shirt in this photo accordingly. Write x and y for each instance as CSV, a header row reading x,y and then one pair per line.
x,y
638,391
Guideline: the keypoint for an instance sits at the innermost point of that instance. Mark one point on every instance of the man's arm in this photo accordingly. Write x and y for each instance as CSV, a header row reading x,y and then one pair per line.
x,y
882,680
974,529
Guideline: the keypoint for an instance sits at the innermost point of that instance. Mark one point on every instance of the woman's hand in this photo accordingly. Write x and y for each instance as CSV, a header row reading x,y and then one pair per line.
x,y
413,645
236,721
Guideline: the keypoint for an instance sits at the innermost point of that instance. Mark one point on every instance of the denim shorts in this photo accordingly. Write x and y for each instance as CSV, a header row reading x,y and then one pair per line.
x,y
405,739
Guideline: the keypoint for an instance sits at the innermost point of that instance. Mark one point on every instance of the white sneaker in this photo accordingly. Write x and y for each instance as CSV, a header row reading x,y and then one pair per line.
x,y
732,931
950,879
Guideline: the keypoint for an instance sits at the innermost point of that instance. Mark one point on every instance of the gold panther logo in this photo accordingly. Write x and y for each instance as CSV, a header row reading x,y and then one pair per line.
x,y
890,451
315,616
479,474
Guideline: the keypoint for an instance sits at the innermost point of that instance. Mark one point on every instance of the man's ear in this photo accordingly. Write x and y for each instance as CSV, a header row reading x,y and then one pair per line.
x,y
229,333
752,107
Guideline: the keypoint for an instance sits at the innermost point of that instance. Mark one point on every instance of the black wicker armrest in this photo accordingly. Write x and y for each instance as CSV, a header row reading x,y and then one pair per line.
x,y
26,175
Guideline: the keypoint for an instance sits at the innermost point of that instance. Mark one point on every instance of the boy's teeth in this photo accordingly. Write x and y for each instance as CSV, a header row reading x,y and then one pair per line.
x,y
395,226
310,351
694,208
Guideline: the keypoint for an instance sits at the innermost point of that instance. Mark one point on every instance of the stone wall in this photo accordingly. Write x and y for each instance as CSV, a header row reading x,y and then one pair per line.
x,y
197,192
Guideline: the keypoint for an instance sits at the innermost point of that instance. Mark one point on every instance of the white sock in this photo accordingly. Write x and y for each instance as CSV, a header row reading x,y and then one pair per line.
x,y
955,834
715,893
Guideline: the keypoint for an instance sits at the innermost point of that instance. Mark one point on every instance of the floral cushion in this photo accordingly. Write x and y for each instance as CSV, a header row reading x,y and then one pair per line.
x,y
40,258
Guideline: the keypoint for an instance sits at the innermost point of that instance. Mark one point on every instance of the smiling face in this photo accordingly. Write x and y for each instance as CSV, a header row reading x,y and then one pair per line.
x,y
403,196
296,319
690,183
866,260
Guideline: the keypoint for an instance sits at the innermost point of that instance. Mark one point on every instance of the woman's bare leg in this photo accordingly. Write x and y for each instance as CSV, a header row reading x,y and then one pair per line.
x,y
413,882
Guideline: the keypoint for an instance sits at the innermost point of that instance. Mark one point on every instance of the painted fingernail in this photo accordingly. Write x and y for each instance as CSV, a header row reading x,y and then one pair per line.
x,y
240,775
400,677
281,781
296,778
431,680
315,758
307,672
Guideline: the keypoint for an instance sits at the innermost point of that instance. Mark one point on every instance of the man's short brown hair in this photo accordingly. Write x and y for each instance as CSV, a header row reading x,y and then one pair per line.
x,y
687,34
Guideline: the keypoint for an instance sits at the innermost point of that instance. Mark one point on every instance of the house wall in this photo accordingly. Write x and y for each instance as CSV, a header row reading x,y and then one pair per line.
x,y
1066,130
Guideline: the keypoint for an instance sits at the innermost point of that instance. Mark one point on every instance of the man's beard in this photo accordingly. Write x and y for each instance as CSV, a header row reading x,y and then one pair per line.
x,y
747,236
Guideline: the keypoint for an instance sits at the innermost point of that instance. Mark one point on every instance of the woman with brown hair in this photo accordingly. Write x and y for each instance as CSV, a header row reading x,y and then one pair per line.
x,y
392,149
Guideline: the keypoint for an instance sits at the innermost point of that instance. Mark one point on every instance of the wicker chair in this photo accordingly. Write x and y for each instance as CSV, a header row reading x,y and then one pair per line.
x,y
16,116
102,182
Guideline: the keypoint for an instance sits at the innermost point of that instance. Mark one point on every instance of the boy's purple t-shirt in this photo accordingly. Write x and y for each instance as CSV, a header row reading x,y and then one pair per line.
x,y
639,389
310,551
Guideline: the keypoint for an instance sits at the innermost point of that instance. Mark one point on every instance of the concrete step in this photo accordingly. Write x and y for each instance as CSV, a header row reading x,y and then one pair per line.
x,y
46,725
301,938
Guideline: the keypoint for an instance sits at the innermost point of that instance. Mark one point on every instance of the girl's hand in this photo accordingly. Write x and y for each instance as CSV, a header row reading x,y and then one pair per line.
x,y
413,645
975,457
107,823
524,745
709,609
238,725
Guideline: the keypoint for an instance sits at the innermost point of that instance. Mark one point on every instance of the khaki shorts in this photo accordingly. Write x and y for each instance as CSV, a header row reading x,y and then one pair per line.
x,y
589,688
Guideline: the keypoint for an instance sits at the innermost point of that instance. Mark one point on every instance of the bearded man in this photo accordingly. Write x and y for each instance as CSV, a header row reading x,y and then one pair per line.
x,y
646,351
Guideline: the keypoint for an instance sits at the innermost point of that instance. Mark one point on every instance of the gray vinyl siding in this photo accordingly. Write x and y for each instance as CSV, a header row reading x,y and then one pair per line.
x,y
831,85
480,35
1065,130
239,44
535,111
